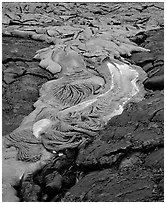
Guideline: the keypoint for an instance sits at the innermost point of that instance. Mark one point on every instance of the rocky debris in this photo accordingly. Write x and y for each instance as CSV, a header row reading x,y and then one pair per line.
x,y
50,182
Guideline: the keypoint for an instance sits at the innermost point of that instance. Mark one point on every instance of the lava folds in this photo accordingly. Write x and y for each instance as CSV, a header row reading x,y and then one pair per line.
x,y
78,104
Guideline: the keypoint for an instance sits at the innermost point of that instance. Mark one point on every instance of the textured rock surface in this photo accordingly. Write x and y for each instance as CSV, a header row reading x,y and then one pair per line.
x,y
127,154
128,142
124,186
22,78
153,62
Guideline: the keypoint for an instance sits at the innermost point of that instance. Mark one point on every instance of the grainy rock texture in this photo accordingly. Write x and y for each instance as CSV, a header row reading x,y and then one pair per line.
x,y
108,186
123,160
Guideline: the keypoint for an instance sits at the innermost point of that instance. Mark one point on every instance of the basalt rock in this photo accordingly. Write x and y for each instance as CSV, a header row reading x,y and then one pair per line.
x,y
68,127
65,101
134,140
106,186
50,182
94,103
134,129
153,62
22,78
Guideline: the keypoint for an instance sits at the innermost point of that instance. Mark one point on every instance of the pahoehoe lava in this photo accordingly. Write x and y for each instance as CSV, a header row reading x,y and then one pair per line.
x,y
98,118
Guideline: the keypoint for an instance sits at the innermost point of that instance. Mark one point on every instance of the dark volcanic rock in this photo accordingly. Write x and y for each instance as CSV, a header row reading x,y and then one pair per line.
x,y
22,78
102,154
153,62
53,181
106,186
127,144
155,83
126,161
50,183
155,159
135,158
133,129
19,48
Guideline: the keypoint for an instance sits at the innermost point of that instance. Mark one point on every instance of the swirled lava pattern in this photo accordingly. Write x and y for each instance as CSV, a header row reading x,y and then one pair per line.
x,y
78,104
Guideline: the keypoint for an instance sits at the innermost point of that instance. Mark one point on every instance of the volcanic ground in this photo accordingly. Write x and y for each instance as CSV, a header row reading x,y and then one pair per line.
x,y
83,102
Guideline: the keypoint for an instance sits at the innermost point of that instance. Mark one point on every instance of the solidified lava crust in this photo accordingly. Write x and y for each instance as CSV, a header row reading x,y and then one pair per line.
x,y
83,102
